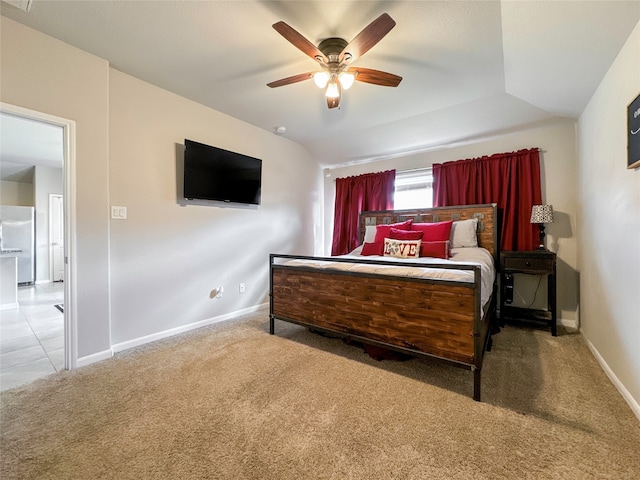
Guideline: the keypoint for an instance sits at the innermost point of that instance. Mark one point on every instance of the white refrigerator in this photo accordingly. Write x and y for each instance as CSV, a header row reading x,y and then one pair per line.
x,y
17,239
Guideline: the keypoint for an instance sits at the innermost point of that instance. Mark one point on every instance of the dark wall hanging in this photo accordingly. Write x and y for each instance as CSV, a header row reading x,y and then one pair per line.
x,y
633,133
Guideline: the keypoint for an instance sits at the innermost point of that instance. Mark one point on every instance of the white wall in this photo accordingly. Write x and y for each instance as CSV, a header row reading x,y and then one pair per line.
x,y
557,140
43,74
150,275
609,227
166,258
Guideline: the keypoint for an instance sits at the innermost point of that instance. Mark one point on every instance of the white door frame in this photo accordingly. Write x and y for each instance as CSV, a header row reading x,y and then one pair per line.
x,y
70,273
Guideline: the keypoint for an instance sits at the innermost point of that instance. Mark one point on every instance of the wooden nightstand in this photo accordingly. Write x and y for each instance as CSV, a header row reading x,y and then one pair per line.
x,y
535,262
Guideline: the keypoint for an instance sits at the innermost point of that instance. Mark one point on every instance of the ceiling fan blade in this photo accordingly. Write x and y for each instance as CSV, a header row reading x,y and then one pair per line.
x,y
376,77
298,41
289,80
367,38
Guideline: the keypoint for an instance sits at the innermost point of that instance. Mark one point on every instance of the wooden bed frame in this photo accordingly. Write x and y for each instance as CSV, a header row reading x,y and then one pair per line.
x,y
436,318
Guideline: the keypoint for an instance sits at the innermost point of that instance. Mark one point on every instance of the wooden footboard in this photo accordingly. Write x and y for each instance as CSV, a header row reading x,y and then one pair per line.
x,y
411,314
437,318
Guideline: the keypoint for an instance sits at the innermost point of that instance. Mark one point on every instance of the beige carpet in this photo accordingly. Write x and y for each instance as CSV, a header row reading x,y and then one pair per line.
x,y
232,402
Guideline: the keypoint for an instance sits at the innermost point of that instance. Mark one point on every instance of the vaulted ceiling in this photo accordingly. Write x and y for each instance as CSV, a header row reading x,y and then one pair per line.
x,y
470,69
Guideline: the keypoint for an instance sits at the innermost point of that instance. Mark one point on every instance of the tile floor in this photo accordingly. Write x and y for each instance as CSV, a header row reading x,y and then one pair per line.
x,y
32,335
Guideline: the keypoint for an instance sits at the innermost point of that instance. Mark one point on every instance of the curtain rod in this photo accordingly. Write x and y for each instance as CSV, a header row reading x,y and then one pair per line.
x,y
411,170
422,169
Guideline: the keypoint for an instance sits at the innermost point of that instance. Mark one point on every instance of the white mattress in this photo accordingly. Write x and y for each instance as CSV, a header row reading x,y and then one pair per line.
x,y
459,256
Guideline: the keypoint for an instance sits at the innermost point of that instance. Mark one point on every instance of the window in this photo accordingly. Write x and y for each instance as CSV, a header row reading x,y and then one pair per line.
x,y
413,189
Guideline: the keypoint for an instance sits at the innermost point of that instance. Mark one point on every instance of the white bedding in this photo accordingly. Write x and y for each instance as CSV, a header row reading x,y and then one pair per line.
x,y
461,256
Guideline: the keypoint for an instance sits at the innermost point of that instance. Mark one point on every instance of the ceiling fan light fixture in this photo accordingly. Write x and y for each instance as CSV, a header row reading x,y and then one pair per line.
x,y
346,80
321,79
334,55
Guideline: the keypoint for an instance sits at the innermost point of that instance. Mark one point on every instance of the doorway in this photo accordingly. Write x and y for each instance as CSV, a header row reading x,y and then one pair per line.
x,y
61,225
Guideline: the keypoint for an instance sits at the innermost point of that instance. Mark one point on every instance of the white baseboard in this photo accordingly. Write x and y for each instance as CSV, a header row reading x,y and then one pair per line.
x,y
572,324
136,342
94,357
9,306
635,406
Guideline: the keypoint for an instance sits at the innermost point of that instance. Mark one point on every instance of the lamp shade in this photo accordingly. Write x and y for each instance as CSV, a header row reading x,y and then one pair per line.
x,y
542,214
332,90
346,80
321,79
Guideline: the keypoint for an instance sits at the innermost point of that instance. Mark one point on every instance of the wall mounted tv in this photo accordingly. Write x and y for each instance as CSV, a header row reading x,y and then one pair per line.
x,y
211,173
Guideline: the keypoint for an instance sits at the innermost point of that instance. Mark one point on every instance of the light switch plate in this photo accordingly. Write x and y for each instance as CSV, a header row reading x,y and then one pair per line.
x,y
118,213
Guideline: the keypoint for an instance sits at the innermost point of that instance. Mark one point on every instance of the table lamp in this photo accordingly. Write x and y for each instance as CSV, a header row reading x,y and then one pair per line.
x,y
542,214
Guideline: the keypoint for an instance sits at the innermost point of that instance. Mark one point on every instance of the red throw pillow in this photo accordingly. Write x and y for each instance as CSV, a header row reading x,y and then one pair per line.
x,y
398,234
373,248
383,231
435,249
434,232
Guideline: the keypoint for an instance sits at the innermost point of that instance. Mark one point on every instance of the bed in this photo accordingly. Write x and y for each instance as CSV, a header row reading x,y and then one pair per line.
x,y
420,305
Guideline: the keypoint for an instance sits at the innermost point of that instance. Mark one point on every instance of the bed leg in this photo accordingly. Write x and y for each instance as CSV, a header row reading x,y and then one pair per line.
x,y
271,325
476,384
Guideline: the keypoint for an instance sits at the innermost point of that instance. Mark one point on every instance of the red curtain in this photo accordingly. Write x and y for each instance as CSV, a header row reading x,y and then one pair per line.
x,y
372,191
512,180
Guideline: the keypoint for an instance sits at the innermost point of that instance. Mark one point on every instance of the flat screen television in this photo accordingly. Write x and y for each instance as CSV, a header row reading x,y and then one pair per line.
x,y
212,173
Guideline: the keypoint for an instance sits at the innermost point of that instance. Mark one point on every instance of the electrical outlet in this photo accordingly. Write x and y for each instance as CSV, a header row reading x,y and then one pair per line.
x,y
242,288
216,292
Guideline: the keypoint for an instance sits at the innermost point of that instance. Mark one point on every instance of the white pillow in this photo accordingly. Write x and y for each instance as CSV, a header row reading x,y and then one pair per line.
x,y
370,234
463,233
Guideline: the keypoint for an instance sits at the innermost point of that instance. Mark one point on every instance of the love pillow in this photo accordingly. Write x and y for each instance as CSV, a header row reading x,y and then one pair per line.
x,y
401,248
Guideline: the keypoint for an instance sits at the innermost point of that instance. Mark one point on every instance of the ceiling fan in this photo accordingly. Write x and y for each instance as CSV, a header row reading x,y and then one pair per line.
x,y
335,56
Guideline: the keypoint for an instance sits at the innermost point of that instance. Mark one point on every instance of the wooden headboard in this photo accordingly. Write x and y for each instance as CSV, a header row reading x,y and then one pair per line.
x,y
487,215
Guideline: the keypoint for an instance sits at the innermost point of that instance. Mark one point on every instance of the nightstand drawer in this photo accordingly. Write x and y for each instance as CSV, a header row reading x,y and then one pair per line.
x,y
529,264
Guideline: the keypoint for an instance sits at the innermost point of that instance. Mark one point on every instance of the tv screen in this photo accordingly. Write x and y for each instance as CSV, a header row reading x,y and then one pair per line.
x,y
212,173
